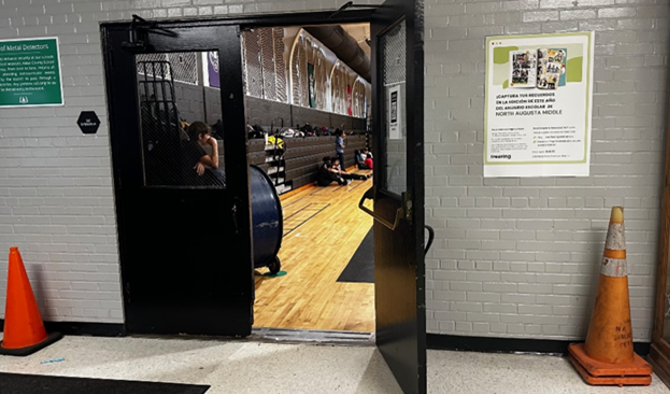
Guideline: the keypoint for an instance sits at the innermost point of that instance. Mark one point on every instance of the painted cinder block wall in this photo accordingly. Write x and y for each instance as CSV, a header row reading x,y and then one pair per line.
x,y
519,257
515,258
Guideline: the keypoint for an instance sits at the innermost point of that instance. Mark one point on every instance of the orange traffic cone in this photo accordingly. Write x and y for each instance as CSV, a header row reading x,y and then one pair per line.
x,y
24,330
607,357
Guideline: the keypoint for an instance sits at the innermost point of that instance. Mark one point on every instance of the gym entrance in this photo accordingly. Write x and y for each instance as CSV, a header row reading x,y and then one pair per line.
x,y
190,250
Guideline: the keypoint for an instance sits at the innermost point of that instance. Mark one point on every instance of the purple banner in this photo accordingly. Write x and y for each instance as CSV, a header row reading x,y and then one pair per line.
x,y
213,67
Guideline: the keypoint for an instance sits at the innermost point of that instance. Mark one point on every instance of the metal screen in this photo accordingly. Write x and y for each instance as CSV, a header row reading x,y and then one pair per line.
x,y
253,72
183,65
279,64
264,66
267,64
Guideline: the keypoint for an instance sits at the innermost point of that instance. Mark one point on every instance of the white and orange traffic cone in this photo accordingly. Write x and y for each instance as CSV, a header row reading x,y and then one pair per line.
x,y
607,356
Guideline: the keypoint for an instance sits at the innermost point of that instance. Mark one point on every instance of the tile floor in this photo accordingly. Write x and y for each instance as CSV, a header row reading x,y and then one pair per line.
x,y
267,368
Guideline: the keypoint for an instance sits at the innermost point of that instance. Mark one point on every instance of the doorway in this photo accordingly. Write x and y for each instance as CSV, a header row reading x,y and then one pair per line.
x,y
300,91
174,283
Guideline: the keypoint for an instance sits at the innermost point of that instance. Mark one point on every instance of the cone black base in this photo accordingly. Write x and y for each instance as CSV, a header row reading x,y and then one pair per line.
x,y
28,350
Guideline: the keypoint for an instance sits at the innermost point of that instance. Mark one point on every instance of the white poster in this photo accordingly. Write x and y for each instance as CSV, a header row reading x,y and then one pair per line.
x,y
394,113
538,105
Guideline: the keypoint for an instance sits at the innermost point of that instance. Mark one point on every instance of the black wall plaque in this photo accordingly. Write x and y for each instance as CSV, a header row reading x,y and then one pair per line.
x,y
88,122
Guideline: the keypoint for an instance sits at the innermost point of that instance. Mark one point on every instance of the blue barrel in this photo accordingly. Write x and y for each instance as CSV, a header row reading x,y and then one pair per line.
x,y
267,220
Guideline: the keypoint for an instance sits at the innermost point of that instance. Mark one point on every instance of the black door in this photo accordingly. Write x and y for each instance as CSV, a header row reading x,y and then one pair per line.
x,y
398,194
184,238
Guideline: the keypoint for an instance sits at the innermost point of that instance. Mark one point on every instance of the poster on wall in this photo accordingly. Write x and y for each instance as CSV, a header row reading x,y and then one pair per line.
x,y
311,85
350,111
30,73
213,69
394,113
538,101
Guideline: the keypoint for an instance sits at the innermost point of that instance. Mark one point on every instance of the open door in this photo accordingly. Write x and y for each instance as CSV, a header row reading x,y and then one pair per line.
x,y
398,194
184,240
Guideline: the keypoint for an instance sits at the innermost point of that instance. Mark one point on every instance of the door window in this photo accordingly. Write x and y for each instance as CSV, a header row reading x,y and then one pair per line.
x,y
393,59
180,121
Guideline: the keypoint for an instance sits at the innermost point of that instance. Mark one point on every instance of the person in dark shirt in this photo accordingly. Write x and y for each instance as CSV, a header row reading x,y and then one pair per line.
x,y
201,168
327,174
345,175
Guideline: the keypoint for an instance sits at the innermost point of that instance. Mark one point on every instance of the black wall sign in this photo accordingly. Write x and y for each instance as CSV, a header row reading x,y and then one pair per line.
x,y
88,122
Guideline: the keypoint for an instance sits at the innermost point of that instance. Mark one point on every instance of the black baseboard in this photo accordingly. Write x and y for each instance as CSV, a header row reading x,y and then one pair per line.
x,y
509,345
433,341
78,328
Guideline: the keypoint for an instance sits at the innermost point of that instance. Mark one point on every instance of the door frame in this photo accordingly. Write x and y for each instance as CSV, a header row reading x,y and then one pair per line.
x,y
243,21
260,20
415,119
255,21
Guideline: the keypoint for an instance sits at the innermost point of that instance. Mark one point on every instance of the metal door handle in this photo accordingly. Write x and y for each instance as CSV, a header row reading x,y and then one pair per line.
x,y
431,237
369,195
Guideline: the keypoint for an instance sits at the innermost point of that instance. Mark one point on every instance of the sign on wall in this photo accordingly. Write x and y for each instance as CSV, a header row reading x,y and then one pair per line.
x,y
30,73
394,112
538,105
88,122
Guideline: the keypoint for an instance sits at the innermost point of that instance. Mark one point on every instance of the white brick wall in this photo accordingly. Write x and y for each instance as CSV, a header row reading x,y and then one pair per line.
x,y
519,257
512,257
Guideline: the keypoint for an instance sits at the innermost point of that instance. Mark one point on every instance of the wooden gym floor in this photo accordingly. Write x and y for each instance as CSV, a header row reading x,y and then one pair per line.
x,y
323,228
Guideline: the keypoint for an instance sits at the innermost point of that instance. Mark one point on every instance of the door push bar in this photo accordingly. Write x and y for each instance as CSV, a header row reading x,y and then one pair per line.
x,y
369,195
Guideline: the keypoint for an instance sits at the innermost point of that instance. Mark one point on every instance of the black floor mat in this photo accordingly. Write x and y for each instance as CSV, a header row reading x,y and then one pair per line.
x,y
39,384
361,267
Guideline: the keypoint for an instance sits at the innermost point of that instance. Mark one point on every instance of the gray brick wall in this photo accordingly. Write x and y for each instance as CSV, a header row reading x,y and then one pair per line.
x,y
56,197
519,257
512,257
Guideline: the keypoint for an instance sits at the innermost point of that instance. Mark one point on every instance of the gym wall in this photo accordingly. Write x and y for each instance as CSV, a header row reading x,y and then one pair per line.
x,y
512,258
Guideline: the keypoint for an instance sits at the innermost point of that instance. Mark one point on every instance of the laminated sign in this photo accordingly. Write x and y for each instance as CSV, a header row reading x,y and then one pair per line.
x,y
539,92
30,73
394,113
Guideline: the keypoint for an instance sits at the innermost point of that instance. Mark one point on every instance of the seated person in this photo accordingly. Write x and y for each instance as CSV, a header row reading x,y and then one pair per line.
x,y
327,174
201,168
346,175
360,160
368,158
